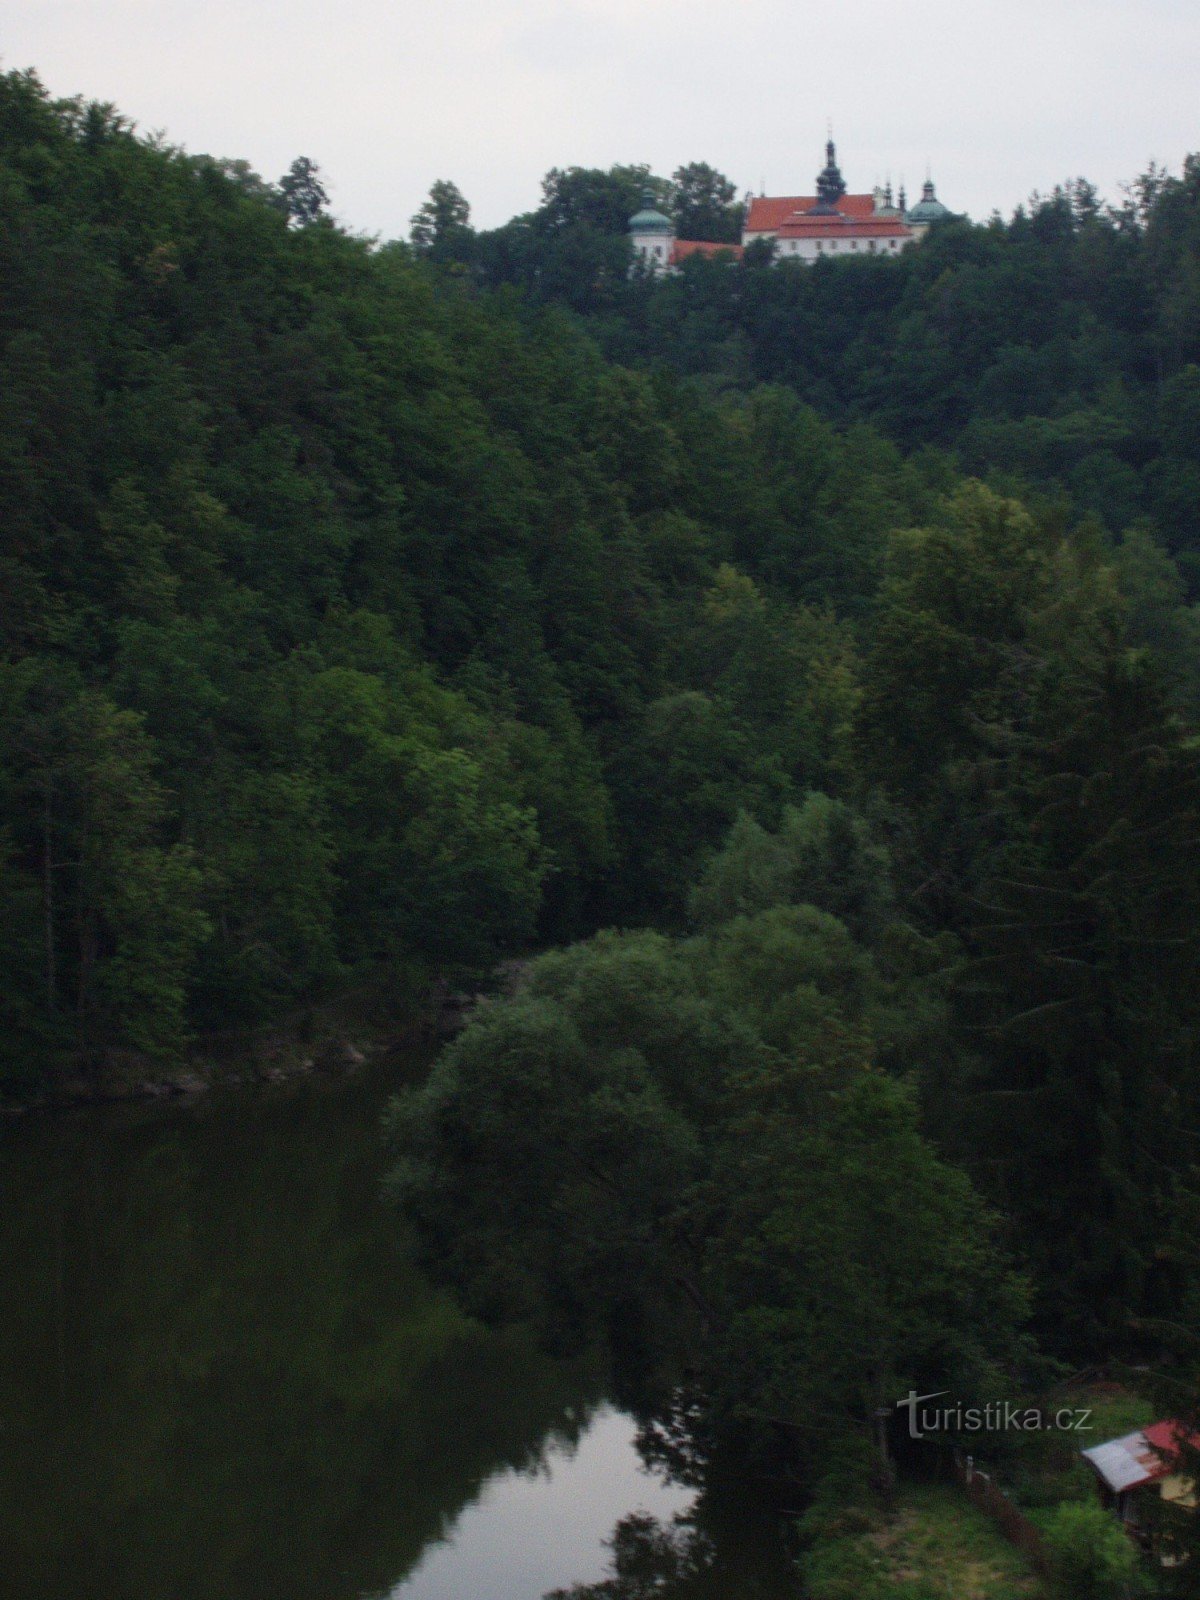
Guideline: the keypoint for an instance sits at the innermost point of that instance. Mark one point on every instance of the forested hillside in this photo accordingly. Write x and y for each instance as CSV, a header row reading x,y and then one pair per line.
x,y
990,891
352,617
1055,349
375,611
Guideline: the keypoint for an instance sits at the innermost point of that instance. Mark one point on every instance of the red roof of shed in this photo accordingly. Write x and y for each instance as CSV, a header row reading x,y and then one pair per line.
x,y
1171,1437
1141,1457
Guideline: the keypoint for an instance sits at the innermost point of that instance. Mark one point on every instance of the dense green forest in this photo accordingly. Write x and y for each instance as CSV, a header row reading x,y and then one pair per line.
x,y
374,611
353,618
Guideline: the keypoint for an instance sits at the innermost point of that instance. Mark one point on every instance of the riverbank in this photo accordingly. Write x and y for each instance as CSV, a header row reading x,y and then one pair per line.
x,y
335,1038
332,1038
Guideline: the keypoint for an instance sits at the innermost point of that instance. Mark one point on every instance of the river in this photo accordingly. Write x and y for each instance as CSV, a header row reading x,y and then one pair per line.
x,y
221,1378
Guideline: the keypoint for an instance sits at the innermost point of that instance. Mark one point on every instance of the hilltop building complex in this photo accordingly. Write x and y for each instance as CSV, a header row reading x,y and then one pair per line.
x,y
803,227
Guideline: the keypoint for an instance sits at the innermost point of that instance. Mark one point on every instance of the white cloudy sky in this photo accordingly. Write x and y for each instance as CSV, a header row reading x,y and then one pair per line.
x,y
1001,97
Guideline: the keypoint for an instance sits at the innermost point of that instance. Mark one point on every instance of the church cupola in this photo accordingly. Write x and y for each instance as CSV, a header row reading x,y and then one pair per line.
x,y
652,235
928,210
830,183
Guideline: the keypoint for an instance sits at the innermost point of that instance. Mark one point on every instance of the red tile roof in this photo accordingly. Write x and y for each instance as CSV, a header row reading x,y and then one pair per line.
x,y
702,247
827,227
768,212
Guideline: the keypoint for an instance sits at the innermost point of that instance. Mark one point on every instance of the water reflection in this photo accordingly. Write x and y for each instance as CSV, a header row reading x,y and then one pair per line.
x,y
528,1532
219,1375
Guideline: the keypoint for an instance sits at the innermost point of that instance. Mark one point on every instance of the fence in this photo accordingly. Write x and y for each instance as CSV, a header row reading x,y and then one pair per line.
x,y
1015,1527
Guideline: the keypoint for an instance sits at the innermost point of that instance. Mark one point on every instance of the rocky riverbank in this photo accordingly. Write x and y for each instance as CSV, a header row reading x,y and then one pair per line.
x,y
302,1048
330,1040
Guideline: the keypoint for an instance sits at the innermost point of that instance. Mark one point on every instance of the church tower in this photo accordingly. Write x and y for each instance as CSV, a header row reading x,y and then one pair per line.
x,y
652,235
831,185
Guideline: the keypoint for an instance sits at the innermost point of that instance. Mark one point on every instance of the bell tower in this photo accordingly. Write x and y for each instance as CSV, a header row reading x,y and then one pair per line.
x,y
831,186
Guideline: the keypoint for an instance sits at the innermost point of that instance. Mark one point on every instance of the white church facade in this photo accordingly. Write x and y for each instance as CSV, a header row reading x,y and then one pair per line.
x,y
802,228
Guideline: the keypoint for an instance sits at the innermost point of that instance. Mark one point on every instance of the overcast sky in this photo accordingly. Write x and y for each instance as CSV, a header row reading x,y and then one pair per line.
x,y
999,97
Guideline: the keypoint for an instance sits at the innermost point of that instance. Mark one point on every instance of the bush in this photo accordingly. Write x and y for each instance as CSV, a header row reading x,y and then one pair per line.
x,y
1091,1557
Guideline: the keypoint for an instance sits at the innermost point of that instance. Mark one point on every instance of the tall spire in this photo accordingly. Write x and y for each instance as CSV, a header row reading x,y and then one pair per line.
x,y
830,186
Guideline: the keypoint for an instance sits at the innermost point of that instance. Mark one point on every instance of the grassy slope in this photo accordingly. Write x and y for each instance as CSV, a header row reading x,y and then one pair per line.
x,y
935,1546
1047,1469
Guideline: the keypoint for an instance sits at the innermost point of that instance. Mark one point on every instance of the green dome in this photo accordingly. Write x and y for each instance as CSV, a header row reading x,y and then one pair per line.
x,y
928,208
650,220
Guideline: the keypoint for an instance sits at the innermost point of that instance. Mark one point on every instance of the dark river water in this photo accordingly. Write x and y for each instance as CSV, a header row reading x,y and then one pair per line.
x,y
222,1379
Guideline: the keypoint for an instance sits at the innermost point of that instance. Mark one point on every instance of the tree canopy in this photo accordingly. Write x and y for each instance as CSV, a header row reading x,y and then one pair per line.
x,y
372,612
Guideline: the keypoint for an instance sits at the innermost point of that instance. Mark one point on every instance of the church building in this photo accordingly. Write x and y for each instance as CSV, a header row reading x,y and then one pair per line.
x,y
654,243
802,227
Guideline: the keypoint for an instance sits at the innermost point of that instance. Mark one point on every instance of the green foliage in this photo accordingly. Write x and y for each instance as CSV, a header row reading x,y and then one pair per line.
x,y
956,610
1158,617
822,855
575,196
1052,795
836,1308
704,204
1090,1555
120,913
1054,348
366,607
933,1543
1084,949
302,192
412,622
692,1132
440,228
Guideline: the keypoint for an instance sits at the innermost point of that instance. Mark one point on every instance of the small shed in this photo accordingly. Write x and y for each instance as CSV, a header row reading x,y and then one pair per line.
x,y
1141,1463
